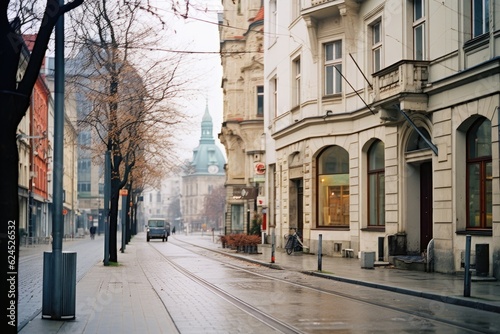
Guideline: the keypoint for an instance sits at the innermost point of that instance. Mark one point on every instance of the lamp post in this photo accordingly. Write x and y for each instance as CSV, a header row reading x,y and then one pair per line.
x,y
59,275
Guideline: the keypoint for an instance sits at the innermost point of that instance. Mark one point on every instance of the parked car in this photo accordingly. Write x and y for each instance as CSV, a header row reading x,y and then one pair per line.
x,y
157,228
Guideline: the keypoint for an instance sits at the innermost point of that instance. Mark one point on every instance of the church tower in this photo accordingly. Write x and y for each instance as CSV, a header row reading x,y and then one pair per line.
x,y
205,176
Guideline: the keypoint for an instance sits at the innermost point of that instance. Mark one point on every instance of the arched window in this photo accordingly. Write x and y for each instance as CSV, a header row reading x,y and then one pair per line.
x,y
376,185
333,188
479,175
416,142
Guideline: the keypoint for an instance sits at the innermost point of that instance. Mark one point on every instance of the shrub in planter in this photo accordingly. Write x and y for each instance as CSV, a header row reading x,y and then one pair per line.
x,y
253,241
223,240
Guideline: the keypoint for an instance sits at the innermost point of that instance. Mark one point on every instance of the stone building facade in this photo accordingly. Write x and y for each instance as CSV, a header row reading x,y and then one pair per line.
x,y
382,129
241,36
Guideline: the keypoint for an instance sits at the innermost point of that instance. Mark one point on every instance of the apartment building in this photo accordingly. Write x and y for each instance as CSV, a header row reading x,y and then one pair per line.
x,y
35,154
381,122
242,133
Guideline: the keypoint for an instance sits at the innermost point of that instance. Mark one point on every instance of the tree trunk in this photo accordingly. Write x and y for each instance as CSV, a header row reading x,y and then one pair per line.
x,y
113,220
9,205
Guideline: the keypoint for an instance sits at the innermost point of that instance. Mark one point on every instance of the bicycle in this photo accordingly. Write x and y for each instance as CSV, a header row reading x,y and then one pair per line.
x,y
293,243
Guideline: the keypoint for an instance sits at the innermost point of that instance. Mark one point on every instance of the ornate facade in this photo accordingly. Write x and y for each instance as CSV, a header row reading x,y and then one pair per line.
x,y
242,38
382,127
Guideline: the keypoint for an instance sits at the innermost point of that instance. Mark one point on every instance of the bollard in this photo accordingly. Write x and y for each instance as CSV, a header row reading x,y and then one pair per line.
x,y
273,245
320,250
467,278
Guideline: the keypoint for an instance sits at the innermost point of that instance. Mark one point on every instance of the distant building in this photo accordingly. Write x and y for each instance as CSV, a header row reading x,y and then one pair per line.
x,y
205,173
35,153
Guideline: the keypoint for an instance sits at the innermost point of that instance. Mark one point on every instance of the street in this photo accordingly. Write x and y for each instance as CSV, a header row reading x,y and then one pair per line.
x,y
201,290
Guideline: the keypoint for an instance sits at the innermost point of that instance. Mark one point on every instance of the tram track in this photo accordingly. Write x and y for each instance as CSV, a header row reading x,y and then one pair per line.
x,y
263,317
278,324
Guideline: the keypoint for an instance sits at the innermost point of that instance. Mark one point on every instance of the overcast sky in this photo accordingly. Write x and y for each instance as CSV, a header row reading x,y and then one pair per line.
x,y
196,34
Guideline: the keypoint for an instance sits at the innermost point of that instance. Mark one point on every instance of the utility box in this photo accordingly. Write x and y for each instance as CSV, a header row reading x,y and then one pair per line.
x,y
67,292
367,260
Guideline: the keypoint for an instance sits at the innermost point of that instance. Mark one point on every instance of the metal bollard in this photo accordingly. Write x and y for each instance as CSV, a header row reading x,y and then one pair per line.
x,y
320,250
467,276
273,245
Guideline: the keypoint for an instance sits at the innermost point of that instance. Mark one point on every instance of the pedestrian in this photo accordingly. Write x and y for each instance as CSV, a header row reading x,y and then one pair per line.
x,y
92,232
173,230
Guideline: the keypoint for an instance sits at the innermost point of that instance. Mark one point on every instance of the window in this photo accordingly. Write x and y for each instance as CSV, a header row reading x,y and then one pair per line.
x,y
333,188
274,103
416,142
273,21
296,8
260,100
479,176
296,82
236,218
376,46
480,17
84,187
333,68
418,30
376,185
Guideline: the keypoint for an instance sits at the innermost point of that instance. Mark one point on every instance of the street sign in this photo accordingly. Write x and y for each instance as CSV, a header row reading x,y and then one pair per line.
x,y
245,193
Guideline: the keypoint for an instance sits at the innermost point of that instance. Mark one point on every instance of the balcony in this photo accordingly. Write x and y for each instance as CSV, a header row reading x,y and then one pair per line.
x,y
321,9
402,82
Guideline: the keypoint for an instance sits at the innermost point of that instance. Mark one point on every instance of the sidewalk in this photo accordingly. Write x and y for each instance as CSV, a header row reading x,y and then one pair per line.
x,y
121,299
484,294
112,299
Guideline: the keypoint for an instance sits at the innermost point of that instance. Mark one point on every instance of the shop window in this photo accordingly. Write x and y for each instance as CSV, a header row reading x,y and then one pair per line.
x,y
333,188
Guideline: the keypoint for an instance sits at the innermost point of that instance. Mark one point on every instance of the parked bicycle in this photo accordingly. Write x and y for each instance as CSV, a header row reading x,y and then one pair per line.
x,y
293,243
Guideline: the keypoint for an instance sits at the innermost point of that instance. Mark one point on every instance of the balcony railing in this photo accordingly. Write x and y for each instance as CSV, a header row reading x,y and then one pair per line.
x,y
319,2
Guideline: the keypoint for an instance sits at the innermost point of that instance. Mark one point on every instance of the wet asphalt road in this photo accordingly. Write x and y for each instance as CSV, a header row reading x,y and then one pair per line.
x,y
205,292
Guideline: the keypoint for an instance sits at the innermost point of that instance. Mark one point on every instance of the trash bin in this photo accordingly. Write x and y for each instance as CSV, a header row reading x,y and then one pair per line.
x,y
482,260
68,289
367,260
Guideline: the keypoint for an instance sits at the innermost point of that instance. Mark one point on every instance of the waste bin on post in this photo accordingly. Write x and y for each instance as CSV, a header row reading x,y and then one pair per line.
x,y
68,289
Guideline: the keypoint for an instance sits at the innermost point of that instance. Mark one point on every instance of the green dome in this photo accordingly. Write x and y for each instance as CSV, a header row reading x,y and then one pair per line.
x,y
207,157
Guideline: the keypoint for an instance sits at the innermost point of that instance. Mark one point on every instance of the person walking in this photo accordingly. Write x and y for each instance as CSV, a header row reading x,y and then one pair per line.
x,y
92,232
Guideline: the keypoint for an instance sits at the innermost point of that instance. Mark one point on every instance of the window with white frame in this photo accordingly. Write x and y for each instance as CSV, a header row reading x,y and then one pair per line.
x,y
273,104
296,8
260,100
333,67
376,30
296,81
480,17
419,52
272,21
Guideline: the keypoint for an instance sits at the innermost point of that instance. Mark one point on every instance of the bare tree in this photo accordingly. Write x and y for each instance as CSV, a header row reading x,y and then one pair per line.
x,y
214,206
15,95
129,91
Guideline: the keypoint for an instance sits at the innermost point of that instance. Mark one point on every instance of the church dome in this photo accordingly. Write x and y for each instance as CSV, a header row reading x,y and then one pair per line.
x,y
207,157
